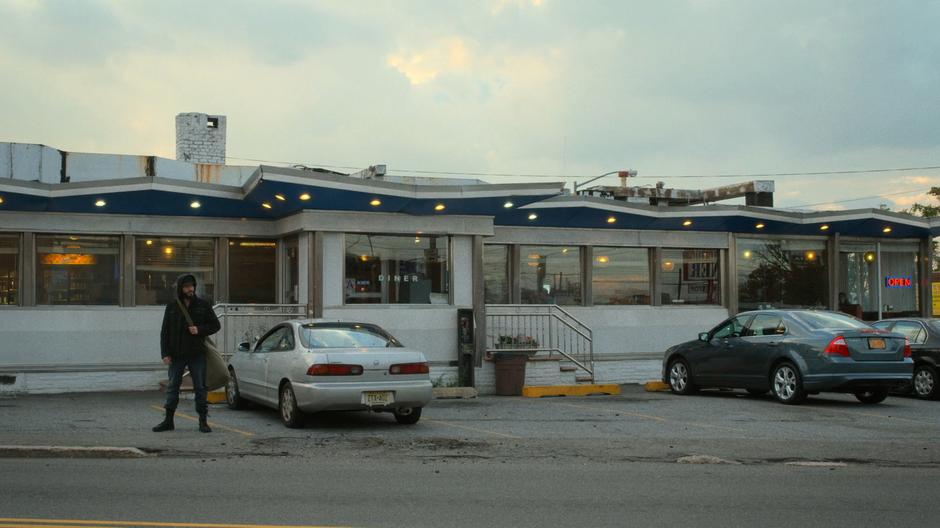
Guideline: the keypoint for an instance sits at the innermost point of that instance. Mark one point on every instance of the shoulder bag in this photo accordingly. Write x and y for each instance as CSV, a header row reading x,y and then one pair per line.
x,y
216,369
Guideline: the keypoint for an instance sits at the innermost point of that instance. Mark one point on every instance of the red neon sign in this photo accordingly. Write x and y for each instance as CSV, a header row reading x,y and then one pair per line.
x,y
898,282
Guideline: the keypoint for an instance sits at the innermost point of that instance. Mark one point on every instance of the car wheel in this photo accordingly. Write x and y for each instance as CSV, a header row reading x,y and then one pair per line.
x,y
787,385
925,382
757,392
680,377
291,415
408,415
232,395
872,396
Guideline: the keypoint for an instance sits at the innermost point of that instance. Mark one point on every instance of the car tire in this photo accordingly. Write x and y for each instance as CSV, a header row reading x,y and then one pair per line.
x,y
786,383
680,377
872,396
233,397
924,382
291,415
408,415
757,392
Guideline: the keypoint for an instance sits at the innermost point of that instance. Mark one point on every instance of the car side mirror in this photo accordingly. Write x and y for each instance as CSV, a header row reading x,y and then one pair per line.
x,y
703,337
244,346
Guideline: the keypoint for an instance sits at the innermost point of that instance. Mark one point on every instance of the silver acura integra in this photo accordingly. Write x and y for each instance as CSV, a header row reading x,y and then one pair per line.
x,y
306,366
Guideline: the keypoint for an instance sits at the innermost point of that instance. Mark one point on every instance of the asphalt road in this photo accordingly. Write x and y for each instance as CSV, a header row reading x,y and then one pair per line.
x,y
720,459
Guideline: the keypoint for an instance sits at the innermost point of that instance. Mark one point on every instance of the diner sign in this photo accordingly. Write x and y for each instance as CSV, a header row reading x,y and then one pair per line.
x,y
898,282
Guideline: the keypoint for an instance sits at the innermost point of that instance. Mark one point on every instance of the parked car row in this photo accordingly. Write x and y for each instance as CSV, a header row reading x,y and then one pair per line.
x,y
793,353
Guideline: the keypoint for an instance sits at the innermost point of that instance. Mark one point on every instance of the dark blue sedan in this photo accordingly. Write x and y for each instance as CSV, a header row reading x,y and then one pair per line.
x,y
792,353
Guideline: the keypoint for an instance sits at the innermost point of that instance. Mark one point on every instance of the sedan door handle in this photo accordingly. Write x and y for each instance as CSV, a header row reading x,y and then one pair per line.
x,y
773,343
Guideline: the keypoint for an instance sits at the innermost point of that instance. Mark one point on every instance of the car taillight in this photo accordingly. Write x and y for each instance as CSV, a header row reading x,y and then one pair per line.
x,y
907,347
408,368
334,369
837,347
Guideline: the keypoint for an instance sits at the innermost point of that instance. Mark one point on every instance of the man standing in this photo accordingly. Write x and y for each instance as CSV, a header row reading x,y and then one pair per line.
x,y
182,345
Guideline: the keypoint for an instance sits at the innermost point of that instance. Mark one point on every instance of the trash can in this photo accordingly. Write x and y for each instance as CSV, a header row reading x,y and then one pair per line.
x,y
510,373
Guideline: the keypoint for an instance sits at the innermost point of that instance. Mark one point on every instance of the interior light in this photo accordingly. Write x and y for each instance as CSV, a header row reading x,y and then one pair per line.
x,y
1,200
534,256
439,207
507,205
611,219
870,257
747,253
375,202
603,259
668,265
100,203
364,258
532,264
305,196
564,250
417,240
73,238
687,223
195,204
824,227
280,197
150,242
533,216
266,205
168,250
760,225
810,255
887,229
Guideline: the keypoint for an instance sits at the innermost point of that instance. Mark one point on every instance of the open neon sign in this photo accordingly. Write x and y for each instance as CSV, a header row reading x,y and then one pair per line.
x,y
898,282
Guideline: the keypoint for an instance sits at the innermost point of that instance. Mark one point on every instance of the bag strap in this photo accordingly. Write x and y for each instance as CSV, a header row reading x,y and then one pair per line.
x,y
185,312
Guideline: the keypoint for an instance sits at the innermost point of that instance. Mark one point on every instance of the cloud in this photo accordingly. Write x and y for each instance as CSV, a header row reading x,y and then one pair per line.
x,y
444,57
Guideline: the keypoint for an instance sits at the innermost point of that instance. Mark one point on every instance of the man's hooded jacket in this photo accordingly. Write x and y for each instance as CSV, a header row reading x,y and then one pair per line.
x,y
175,339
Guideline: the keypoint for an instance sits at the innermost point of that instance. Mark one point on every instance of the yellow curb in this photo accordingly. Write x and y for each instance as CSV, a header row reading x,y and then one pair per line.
x,y
538,391
656,386
216,396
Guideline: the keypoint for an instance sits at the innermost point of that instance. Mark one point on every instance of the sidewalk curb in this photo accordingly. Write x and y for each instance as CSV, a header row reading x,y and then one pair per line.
x,y
539,391
26,451
443,393
656,386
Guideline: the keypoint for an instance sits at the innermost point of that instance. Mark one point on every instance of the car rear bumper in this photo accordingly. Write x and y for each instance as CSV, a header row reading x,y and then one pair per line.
x,y
315,397
854,382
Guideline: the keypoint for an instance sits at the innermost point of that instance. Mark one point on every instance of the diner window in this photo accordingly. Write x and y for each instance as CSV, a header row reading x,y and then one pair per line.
x,y
9,269
858,280
496,274
550,275
782,273
77,269
291,271
689,276
396,269
252,271
900,294
620,275
158,262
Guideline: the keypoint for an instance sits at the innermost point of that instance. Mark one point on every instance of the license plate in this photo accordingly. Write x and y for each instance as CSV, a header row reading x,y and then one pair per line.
x,y
378,398
876,343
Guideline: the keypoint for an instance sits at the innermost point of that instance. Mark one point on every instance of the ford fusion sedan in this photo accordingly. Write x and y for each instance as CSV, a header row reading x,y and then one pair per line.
x,y
792,353
924,335
307,366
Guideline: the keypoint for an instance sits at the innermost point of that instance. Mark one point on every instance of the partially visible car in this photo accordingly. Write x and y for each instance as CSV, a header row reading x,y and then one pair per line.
x,y
313,365
792,353
924,335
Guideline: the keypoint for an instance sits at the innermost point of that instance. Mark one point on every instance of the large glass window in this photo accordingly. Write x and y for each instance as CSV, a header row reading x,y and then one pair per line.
x,y
396,269
782,274
291,270
252,271
496,274
689,276
899,281
160,261
858,280
620,275
9,276
550,275
77,269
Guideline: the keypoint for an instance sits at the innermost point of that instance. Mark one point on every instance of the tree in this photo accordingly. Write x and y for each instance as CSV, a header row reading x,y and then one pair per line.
x,y
926,210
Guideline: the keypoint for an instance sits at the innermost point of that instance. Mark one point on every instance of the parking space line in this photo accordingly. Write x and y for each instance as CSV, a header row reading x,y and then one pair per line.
x,y
72,523
653,417
213,424
477,429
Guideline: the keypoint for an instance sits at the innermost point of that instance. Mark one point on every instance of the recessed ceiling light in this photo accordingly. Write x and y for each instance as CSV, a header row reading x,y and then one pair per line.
x,y
439,207
150,242
375,202
887,229
100,203
266,205
533,216
824,227
687,223
507,205
611,219
760,225
305,196
195,204
603,259
280,197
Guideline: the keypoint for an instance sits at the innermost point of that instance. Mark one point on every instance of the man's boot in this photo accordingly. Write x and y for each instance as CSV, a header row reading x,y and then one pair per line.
x,y
167,423
204,424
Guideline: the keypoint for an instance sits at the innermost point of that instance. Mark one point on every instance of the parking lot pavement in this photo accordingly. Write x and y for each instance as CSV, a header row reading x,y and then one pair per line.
x,y
634,425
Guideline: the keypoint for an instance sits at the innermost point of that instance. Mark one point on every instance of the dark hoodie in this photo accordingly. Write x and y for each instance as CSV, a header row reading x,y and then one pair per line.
x,y
175,339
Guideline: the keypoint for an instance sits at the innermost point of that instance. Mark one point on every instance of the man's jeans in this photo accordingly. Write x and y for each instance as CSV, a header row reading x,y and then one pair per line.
x,y
197,371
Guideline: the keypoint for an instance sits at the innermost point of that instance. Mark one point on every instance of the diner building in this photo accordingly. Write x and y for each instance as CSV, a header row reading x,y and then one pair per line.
x,y
91,244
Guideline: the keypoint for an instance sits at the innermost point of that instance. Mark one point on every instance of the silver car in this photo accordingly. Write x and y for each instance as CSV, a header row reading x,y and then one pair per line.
x,y
307,366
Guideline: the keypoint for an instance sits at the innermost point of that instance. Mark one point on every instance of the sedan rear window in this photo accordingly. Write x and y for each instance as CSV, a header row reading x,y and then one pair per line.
x,y
346,336
828,320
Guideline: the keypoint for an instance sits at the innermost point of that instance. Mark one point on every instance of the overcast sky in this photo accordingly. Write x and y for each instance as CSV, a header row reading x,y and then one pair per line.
x,y
565,88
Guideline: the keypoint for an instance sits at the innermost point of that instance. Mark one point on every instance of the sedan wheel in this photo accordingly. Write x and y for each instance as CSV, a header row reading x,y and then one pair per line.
x,y
680,377
232,395
291,415
787,385
872,396
925,382
408,415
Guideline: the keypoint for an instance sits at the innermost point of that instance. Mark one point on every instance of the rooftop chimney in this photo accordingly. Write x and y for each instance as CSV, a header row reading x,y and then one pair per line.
x,y
200,138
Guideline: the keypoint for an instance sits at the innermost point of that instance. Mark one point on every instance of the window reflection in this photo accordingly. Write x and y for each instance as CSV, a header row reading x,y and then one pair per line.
x,y
9,276
252,271
77,269
496,274
396,269
550,275
160,261
620,275
689,276
782,274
